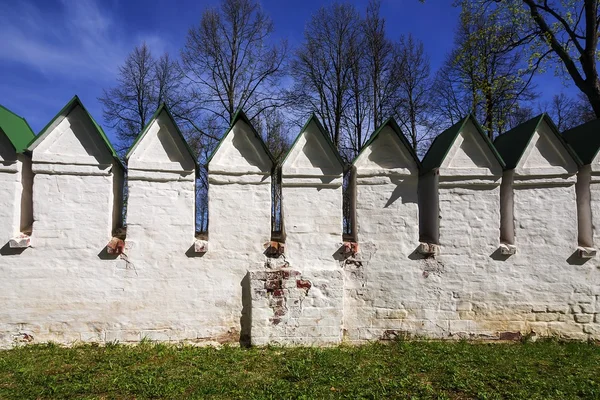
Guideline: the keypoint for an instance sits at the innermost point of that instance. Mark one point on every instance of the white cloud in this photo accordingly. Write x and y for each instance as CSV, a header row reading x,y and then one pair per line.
x,y
75,40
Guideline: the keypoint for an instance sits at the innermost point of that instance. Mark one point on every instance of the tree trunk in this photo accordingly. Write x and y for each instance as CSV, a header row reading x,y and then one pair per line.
x,y
489,116
592,92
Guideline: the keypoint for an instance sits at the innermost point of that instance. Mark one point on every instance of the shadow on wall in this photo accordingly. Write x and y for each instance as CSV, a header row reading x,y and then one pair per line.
x,y
339,254
576,259
105,255
498,256
6,250
416,255
191,252
408,196
246,318
325,180
82,131
251,157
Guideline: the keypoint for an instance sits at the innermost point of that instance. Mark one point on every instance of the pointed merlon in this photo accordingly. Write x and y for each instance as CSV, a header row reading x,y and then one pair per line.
x,y
313,152
389,147
439,153
250,149
516,145
69,108
162,129
240,116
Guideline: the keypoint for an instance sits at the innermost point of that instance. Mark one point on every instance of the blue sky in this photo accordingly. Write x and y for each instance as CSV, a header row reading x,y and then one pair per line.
x,y
51,50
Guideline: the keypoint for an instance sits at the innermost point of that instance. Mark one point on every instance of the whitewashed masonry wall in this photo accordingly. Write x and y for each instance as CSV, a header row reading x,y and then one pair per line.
x,y
167,285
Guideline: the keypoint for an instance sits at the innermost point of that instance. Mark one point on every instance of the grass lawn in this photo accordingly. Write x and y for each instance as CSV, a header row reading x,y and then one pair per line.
x,y
403,369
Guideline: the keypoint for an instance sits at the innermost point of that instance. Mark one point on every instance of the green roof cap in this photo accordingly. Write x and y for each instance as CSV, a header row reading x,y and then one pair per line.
x,y
74,102
391,122
323,131
513,143
16,128
585,140
161,108
240,115
443,142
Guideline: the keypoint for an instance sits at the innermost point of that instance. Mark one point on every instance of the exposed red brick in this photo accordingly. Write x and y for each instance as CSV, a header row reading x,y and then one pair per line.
x,y
274,275
303,284
273,284
280,312
350,248
115,246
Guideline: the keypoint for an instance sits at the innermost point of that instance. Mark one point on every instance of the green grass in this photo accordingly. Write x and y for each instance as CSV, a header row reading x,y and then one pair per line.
x,y
403,369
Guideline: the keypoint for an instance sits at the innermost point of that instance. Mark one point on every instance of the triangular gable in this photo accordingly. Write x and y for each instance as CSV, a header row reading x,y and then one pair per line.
x,y
253,145
536,144
387,148
313,149
463,146
585,140
162,143
16,129
72,107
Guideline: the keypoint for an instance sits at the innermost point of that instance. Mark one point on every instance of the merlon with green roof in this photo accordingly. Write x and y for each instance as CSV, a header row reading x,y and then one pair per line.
x,y
443,143
391,122
241,116
324,133
512,144
16,129
161,108
70,106
585,140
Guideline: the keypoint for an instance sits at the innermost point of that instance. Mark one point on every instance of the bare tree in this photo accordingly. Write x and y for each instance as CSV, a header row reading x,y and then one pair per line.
x,y
357,117
568,112
449,101
230,63
273,128
413,106
129,105
143,83
323,65
383,64
518,115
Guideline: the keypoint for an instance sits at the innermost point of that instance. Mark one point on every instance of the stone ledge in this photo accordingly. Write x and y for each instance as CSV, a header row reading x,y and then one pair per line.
x,y
21,241
428,249
350,248
507,249
586,252
116,245
200,246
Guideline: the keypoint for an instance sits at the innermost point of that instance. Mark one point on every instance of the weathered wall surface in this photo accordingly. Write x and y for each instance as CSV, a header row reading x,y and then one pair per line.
x,y
378,284
66,287
298,298
12,170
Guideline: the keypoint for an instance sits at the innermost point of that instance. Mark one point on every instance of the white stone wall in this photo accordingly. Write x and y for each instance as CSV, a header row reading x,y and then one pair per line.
x,y
60,289
387,233
239,206
14,181
594,189
298,298
239,197
66,288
